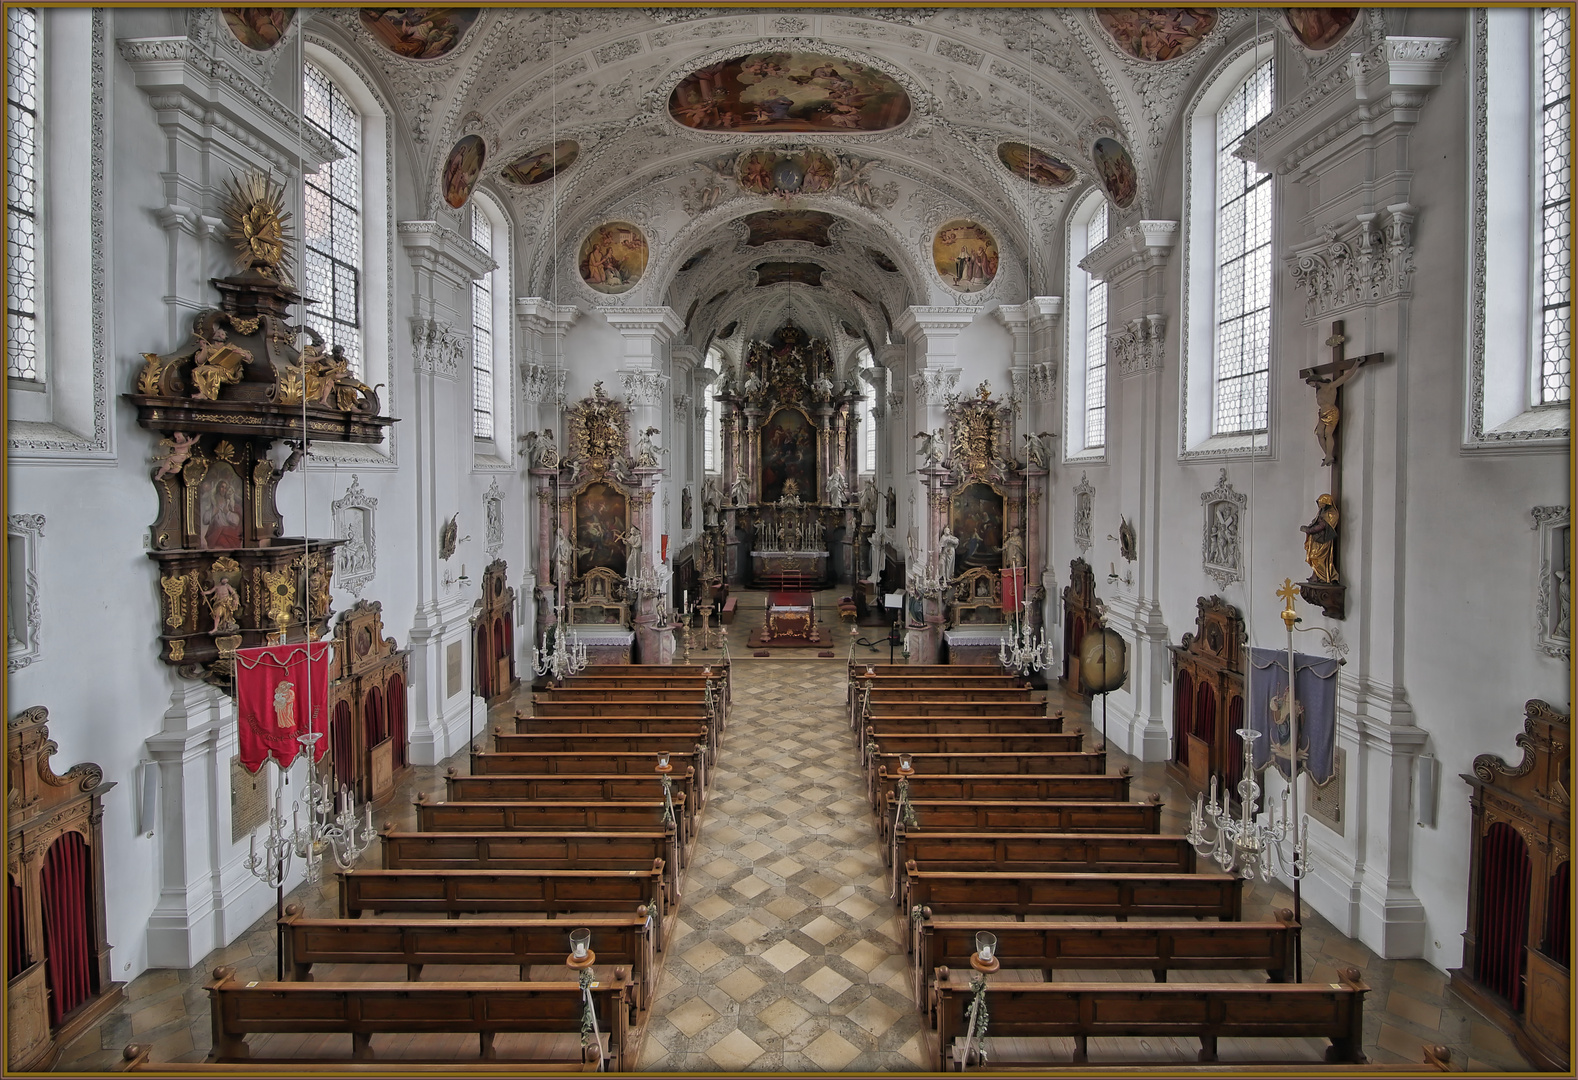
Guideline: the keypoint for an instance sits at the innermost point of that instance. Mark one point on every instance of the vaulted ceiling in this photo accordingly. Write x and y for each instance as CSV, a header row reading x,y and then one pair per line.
x,y
525,79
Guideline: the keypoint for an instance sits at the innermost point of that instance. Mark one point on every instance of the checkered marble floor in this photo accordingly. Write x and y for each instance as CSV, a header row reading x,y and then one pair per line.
x,y
788,954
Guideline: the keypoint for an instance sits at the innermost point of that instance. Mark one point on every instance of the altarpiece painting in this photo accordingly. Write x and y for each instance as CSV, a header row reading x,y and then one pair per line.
x,y
788,452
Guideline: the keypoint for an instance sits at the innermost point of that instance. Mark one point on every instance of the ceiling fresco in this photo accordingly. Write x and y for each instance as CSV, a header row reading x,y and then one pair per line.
x,y
789,91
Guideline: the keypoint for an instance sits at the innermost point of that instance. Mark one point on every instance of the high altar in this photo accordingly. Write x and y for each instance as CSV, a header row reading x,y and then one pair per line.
x,y
789,464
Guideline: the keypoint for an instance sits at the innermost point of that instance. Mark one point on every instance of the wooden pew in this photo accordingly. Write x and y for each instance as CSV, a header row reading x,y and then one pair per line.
x,y
545,850
135,1059
1095,853
1119,896
417,943
573,691
963,695
364,1009
934,787
1207,1011
960,709
487,816
453,893
1002,776
673,727
889,741
1157,947
858,668
551,788
639,707
593,762
717,670
650,743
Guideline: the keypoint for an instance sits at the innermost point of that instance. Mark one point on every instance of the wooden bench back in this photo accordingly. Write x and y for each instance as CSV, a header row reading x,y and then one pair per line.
x,y
1053,763
367,1008
544,850
960,709
937,787
580,762
962,695
488,816
1207,1011
624,940
1094,853
974,742
992,721
631,742
690,710
609,725
576,692
1119,896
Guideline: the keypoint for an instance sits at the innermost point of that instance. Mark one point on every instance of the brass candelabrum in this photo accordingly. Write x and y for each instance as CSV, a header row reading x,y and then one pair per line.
x,y
709,636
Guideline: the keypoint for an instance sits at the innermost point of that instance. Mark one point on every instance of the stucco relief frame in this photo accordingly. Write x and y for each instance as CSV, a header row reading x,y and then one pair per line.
x,y
22,641
1222,548
356,563
1553,613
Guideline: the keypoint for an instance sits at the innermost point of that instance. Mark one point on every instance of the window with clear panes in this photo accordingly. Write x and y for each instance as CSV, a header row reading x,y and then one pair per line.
x,y
24,358
482,332
332,263
1096,339
1555,200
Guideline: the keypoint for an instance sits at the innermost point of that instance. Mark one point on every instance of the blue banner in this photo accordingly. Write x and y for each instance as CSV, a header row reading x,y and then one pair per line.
x,y
1315,696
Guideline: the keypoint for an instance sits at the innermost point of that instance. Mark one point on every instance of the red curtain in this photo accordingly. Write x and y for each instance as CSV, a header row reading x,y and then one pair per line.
x,y
396,707
509,644
1558,945
1183,716
68,912
479,654
16,933
1205,713
375,726
499,649
1235,742
342,743
1503,913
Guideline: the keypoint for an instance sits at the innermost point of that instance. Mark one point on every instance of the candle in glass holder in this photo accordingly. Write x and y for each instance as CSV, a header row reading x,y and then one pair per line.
x,y
662,760
985,946
580,941
904,762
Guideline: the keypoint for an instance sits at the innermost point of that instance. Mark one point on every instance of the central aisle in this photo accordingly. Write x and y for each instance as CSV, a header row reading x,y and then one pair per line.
x,y
788,954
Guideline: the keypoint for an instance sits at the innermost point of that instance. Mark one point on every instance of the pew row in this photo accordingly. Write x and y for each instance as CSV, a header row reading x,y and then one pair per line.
x,y
651,743
541,850
1207,1011
587,789
453,893
626,941
365,1009
1157,947
592,763
1119,896
135,1059
1046,852
884,766
880,739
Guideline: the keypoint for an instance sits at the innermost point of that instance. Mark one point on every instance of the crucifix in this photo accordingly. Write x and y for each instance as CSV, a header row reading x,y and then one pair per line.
x,y
1324,587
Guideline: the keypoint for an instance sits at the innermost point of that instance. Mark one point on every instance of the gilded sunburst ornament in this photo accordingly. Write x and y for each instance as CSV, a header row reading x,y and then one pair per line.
x,y
259,224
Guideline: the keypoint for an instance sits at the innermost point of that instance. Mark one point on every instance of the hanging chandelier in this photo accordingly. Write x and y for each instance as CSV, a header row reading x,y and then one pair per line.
x,y
566,656
333,828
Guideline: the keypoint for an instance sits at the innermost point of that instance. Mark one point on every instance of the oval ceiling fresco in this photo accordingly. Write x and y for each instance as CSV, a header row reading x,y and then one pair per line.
x,y
1319,29
542,164
789,91
419,33
258,28
462,169
795,273
1157,33
808,226
882,261
1028,163
1117,172
965,255
613,257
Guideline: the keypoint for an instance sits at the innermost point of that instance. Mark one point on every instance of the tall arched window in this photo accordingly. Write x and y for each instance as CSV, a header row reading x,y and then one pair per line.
x,y
1087,333
868,420
711,435
482,331
1555,238
24,357
1243,264
1226,336
332,270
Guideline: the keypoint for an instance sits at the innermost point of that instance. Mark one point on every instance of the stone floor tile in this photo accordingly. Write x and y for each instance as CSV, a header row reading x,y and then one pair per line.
x,y
784,955
740,985
831,1052
691,1017
736,1050
826,984
822,929
783,1016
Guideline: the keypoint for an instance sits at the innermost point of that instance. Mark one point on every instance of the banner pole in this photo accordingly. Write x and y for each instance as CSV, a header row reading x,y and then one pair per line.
x,y
1293,782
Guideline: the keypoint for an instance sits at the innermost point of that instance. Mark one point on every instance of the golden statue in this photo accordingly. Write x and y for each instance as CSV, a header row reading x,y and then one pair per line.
x,y
216,362
259,224
1320,542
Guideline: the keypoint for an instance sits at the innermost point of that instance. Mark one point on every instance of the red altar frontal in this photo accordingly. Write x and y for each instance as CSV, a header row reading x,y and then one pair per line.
x,y
791,614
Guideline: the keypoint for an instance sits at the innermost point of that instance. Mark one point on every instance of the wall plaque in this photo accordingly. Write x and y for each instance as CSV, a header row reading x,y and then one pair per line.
x,y
453,661
248,800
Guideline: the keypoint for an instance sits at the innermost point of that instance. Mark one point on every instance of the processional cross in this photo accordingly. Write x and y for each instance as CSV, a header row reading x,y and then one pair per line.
x,y
1321,535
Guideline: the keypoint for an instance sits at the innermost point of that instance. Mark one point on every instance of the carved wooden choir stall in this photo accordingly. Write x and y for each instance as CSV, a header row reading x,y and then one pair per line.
x,y
1079,616
368,677
1208,697
59,978
495,642
1517,950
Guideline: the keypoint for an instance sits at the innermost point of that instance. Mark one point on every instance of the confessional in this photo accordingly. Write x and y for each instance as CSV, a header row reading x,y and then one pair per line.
x,y
1209,668
1079,616
494,647
1517,949
58,961
368,677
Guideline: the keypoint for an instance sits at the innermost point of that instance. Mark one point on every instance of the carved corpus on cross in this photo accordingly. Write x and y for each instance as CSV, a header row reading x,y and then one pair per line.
x,y
1324,588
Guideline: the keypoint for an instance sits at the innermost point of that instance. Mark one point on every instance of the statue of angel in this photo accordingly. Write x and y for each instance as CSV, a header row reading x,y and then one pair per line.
x,y
547,450
837,490
932,446
181,446
740,490
646,453
1036,449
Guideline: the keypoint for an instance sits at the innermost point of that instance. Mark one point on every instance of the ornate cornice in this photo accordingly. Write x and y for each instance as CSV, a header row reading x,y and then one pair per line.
x,y
1129,252
543,316
1351,265
927,321
662,323
438,249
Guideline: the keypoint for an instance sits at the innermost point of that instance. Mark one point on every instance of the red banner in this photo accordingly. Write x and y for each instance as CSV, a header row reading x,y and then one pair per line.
x,y
281,691
1013,592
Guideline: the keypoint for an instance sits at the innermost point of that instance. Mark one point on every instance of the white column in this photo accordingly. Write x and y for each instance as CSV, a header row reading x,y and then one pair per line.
x,y
932,334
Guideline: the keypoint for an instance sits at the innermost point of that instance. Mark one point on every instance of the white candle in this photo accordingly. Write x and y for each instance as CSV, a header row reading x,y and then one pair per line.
x,y
369,817
252,847
685,604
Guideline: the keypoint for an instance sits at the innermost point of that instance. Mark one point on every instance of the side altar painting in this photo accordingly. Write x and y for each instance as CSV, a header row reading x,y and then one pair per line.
x,y
978,526
601,522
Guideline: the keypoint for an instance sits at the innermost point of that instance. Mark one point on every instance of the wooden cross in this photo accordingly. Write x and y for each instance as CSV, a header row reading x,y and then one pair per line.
x,y
1327,379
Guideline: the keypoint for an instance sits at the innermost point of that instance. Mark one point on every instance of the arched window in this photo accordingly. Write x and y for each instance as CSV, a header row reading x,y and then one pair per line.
x,y
482,331
868,420
24,355
332,270
712,434
1087,334
1243,264
1226,336
1520,214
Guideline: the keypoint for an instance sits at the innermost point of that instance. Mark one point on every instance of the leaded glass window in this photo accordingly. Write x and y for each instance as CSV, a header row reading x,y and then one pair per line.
x,y
332,263
1555,247
482,332
23,356
709,435
868,421
1243,264
1096,340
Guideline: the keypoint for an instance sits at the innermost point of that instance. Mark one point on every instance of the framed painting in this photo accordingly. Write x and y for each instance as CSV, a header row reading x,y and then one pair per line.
x,y
462,169
220,503
789,91
542,164
258,28
1117,172
978,523
787,451
1318,29
613,257
1157,33
601,517
965,255
1036,166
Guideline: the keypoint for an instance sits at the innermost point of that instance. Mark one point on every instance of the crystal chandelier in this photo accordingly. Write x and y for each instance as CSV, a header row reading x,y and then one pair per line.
x,y
333,828
566,657
1023,651
1245,845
